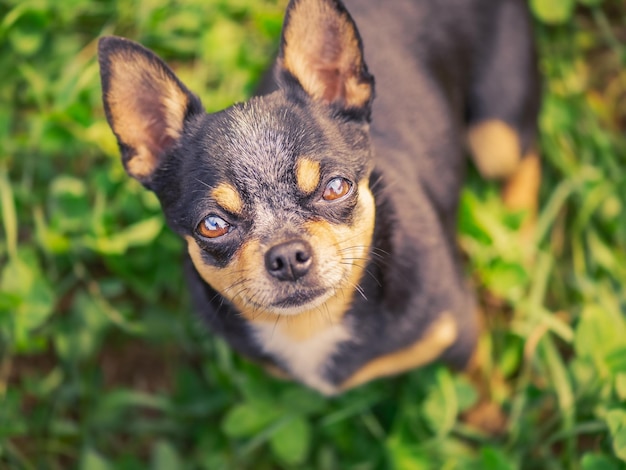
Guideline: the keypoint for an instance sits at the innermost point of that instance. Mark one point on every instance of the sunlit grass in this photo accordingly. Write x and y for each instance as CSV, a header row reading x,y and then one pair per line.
x,y
103,366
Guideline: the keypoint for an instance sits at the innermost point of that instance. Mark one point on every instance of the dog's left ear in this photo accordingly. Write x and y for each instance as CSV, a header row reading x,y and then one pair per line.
x,y
321,49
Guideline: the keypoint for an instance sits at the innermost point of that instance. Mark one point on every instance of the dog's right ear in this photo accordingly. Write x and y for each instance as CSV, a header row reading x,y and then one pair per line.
x,y
145,104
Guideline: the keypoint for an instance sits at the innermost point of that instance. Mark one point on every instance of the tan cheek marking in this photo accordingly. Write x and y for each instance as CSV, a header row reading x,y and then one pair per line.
x,y
297,327
495,147
242,265
356,241
310,323
440,336
228,280
228,198
307,175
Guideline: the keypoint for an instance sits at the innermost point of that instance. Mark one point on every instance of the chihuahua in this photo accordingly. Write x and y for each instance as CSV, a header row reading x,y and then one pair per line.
x,y
320,221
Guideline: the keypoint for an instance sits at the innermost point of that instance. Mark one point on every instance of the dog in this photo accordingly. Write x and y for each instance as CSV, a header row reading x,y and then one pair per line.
x,y
320,215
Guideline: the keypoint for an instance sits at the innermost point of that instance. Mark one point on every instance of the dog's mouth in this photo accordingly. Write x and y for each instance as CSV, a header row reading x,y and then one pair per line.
x,y
294,303
309,298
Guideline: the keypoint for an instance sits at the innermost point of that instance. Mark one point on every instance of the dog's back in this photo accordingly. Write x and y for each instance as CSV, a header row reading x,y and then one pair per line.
x,y
442,68
446,72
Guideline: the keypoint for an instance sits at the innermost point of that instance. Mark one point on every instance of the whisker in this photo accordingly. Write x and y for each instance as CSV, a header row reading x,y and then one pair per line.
x,y
376,183
360,290
380,250
278,318
370,274
202,182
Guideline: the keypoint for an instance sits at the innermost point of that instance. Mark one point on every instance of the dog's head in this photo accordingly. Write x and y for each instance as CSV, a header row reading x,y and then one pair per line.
x,y
272,195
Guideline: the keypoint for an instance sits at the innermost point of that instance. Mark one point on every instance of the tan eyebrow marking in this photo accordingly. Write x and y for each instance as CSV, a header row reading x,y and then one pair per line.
x,y
228,198
307,175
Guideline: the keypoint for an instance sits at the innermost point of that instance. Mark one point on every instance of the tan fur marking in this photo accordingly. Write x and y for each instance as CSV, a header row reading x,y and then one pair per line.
x,y
520,193
142,164
228,198
441,335
307,175
330,242
495,147
228,280
132,102
276,372
521,190
351,242
322,52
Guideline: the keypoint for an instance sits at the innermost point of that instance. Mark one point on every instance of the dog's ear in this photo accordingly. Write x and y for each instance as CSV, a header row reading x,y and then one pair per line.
x,y
322,51
145,104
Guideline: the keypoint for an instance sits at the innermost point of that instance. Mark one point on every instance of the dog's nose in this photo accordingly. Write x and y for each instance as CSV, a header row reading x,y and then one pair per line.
x,y
289,261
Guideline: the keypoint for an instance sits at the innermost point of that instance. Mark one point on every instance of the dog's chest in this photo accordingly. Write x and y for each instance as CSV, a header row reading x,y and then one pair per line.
x,y
304,356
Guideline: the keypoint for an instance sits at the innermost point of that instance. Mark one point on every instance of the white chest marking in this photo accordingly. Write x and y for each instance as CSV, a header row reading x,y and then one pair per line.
x,y
304,358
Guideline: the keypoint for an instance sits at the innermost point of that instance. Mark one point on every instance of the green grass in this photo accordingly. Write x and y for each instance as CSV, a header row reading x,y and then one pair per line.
x,y
103,366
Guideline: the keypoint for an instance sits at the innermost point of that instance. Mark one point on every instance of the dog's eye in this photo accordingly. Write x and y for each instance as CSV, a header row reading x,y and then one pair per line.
x,y
337,188
213,227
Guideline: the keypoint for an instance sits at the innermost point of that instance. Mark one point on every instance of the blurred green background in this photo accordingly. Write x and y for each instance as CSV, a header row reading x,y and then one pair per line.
x,y
103,366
